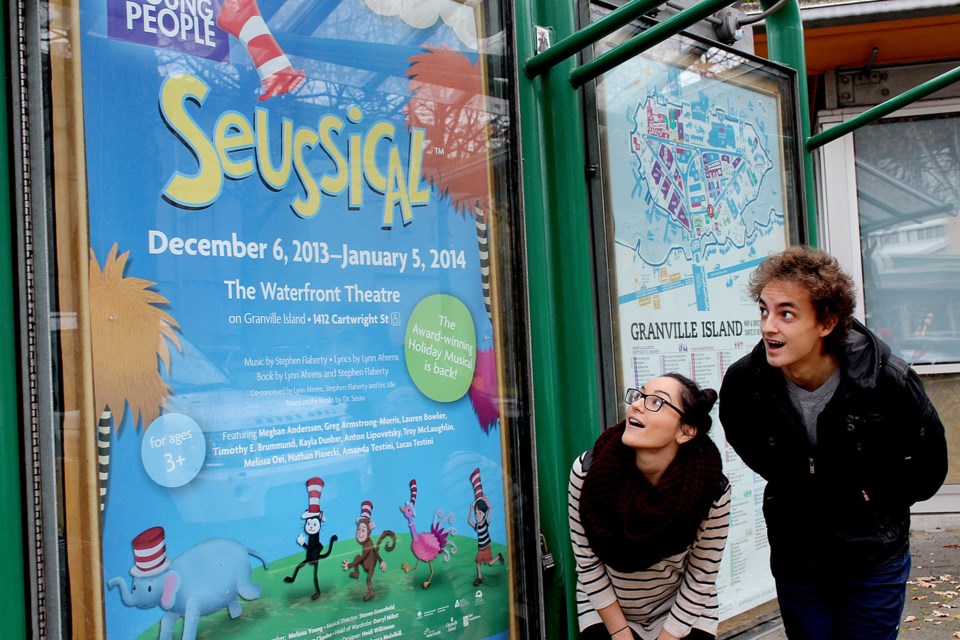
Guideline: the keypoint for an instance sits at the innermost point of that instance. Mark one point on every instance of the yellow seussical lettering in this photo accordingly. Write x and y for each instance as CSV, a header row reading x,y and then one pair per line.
x,y
396,192
333,184
240,147
380,130
274,177
356,173
233,133
419,196
305,207
202,188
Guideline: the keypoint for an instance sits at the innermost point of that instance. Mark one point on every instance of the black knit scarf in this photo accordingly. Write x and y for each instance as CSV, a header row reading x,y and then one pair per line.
x,y
632,524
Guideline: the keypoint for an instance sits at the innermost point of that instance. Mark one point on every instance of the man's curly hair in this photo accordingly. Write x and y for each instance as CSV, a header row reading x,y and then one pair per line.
x,y
831,289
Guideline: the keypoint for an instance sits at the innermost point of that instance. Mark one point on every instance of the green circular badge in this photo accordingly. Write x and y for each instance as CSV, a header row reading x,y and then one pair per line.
x,y
441,347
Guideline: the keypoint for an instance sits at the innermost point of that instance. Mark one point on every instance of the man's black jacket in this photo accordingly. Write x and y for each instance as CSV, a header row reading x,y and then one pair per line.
x,y
844,504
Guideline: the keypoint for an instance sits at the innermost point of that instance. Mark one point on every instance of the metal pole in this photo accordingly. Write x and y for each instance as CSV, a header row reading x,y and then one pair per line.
x,y
649,38
588,35
884,108
560,278
13,608
785,45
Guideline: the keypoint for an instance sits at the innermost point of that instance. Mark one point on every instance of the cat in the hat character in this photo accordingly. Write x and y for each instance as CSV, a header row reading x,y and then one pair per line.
x,y
313,517
479,518
242,19
369,556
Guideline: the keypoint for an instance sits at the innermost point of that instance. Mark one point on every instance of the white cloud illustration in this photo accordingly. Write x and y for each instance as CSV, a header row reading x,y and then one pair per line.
x,y
422,14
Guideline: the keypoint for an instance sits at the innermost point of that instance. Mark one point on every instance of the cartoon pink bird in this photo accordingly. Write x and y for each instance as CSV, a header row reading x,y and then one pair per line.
x,y
427,546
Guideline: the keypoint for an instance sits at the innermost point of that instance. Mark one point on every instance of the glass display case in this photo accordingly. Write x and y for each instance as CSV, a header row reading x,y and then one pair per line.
x,y
288,375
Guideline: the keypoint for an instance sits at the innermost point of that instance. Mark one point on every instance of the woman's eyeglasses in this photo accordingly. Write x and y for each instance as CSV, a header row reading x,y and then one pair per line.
x,y
651,402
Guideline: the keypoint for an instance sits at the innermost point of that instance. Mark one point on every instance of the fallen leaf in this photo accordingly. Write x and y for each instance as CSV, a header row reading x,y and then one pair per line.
x,y
951,546
940,614
912,619
920,597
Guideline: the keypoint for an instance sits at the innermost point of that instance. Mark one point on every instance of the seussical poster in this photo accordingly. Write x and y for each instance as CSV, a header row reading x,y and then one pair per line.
x,y
295,362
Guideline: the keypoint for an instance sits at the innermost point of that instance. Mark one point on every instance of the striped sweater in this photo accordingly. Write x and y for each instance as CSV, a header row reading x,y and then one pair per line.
x,y
678,593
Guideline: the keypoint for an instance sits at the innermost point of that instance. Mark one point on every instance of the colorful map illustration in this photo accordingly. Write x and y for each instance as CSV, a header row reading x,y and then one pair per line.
x,y
701,169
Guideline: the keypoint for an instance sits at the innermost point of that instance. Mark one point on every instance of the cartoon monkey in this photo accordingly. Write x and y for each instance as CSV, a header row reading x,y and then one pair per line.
x,y
313,516
369,557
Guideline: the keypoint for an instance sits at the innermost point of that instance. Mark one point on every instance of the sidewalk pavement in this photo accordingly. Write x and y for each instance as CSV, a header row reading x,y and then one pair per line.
x,y
933,591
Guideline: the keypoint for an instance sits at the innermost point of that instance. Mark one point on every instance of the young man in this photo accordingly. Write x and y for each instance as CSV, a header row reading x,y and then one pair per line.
x,y
847,440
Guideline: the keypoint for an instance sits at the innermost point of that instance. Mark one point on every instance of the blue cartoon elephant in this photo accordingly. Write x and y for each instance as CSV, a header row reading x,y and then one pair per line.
x,y
205,578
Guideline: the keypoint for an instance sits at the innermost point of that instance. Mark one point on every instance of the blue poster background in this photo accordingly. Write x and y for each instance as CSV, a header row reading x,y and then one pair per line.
x,y
219,377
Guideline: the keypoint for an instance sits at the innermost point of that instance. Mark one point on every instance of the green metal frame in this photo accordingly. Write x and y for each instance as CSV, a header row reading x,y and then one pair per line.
x,y
564,339
559,244
562,324
883,109
588,35
785,45
645,40
13,608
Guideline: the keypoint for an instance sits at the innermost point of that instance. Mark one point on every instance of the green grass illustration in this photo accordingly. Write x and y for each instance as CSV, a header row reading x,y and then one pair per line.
x,y
452,607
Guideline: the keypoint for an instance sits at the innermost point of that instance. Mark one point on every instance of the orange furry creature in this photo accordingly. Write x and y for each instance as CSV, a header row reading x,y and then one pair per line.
x,y
448,102
130,332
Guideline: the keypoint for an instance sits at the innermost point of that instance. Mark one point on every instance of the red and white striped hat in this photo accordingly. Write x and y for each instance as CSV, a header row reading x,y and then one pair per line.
x,y
366,510
150,553
314,487
477,487
242,19
413,491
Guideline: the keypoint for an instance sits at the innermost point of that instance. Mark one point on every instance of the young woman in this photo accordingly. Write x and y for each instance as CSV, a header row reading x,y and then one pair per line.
x,y
649,512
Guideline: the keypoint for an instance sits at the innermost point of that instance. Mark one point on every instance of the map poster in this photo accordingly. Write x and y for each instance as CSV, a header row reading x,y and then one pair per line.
x,y
292,307
697,189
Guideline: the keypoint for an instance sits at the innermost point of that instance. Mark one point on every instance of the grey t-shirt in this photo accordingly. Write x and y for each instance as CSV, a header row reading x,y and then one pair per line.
x,y
809,404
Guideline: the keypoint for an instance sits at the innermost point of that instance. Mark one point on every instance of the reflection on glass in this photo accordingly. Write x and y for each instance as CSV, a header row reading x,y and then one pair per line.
x,y
908,192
